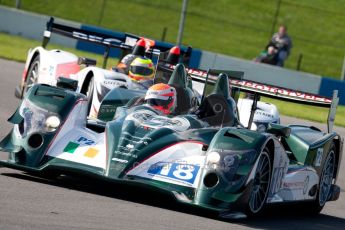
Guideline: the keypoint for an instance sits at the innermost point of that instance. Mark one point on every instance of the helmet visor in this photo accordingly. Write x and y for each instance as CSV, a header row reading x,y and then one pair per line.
x,y
139,70
158,102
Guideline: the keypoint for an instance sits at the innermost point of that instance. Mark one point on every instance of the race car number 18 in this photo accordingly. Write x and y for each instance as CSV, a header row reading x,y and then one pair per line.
x,y
177,171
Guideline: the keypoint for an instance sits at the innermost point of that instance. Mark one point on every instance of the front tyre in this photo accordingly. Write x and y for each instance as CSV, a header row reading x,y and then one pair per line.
x,y
260,188
32,75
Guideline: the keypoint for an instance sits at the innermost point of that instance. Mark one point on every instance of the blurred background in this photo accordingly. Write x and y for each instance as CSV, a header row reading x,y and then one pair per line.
x,y
232,27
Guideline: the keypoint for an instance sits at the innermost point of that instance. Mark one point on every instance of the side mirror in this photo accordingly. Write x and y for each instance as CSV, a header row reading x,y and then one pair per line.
x,y
279,130
86,61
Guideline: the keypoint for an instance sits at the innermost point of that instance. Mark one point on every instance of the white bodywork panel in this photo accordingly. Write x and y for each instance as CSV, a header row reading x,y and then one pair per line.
x,y
290,184
53,64
179,164
296,184
78,144
265,112
102,78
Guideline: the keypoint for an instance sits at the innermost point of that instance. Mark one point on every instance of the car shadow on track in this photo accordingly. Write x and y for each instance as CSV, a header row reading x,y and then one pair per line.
x,y
289,217
276,217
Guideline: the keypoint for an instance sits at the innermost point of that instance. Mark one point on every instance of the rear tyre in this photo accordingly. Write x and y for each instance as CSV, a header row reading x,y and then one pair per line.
x,y
260,188
32,75
326,180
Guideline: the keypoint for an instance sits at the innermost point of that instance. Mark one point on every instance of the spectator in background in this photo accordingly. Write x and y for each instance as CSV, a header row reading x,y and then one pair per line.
x,y
268,56
282,42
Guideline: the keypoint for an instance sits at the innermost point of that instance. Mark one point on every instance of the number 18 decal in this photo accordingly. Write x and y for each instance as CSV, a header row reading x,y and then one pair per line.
x,y
177,171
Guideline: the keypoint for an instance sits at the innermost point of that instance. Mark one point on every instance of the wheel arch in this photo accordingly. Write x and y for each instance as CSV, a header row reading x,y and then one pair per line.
x,y
36,53
338,142
271,146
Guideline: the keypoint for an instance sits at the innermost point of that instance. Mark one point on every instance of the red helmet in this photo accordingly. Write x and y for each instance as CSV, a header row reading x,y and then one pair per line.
x,y
162,97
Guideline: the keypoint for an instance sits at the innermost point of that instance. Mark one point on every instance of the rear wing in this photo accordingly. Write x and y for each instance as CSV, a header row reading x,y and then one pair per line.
x,y
123,41
261,89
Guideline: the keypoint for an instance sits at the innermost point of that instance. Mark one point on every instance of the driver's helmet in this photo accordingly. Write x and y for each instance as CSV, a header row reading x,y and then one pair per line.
x,y
141,69
161,97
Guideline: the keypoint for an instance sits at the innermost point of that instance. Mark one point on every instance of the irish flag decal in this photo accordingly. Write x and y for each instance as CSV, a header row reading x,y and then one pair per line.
x,y
71,147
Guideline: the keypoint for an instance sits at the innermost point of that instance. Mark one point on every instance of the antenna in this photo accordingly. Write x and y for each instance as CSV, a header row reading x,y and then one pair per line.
x,y
332,111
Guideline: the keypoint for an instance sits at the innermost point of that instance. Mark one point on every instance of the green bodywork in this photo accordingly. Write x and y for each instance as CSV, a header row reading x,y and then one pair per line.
x,y
114,99
223,185
305,143
54,100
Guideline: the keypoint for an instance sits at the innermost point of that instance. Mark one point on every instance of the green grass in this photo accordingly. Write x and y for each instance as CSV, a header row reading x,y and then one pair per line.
x,y
237,28
15,48
307,112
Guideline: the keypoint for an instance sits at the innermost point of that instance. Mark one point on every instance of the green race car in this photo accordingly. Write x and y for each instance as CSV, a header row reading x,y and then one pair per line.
x,y
203,157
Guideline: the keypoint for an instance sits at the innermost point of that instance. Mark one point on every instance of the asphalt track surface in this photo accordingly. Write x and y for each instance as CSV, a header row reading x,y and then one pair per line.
x,y
28,202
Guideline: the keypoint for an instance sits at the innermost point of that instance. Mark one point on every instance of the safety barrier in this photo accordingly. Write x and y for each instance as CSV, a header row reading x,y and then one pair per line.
x,y
31,25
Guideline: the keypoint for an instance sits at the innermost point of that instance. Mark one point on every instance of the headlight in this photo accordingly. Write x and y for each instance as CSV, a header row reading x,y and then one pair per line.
x,y
237,163
213,157
261,128
229,160
52,123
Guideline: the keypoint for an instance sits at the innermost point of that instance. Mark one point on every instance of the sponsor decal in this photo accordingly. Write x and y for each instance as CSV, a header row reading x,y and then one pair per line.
x,y
279,91
318,158
130,41
149,120
175,171
261,87
263,113
294,185
72,146
306,183
129,146
277,179
126,153
108,109
51,70
196,72
119,160
94,38
113,83
141,116
84,141
135,140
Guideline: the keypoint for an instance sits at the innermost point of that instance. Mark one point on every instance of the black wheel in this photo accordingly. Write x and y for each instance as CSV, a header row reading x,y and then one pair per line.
x,y
260,189
32,75
326,180
89,94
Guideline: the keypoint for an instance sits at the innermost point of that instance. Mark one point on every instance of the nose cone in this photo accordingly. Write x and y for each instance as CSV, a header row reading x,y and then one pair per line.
x,y
179,76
